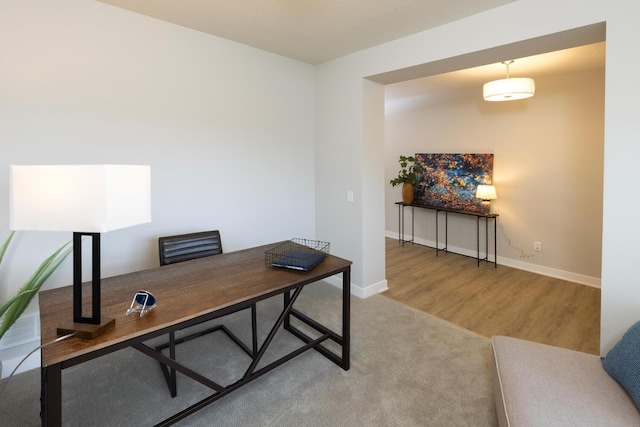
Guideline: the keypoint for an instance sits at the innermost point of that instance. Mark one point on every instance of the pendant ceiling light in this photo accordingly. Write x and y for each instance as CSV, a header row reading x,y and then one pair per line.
x,y
509,89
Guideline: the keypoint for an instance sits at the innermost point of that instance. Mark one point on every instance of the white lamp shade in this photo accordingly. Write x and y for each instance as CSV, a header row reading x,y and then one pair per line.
x,y
509,89
486,192
80,198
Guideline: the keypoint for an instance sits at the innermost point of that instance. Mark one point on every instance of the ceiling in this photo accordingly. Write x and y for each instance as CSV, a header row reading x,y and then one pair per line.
x,y
312,31
316,31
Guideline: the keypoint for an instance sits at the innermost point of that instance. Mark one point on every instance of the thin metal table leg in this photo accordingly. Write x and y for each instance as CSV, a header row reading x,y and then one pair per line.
x,y
486,238
478,238
495,242
413,222
446,231
400,227
437,244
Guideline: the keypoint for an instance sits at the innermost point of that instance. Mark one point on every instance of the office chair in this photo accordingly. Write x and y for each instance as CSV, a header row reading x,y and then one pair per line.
x,y
185,247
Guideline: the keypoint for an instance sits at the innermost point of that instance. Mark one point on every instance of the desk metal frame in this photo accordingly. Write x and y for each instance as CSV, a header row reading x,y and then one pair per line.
x,y
478,215
213,287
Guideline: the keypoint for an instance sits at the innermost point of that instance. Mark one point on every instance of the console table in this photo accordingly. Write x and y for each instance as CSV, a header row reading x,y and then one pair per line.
x,y
189,293
447,211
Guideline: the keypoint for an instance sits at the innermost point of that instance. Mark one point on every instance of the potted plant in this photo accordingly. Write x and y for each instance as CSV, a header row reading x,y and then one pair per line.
x,y
12,309
407,177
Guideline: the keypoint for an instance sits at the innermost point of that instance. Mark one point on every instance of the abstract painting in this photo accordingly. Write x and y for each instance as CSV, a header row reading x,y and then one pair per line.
x,y
450,180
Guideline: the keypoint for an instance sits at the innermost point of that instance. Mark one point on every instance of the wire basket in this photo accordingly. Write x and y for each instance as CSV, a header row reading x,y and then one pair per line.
x,y
297,254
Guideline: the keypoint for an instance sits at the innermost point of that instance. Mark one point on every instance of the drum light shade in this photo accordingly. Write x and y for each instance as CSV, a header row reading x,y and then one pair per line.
x,y
87,198
509,89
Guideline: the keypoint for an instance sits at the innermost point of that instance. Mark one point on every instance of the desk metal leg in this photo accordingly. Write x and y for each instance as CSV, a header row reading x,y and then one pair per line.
x,y
169,371
254,330
251,373
173,382
267,341
51,396
287,299
346,318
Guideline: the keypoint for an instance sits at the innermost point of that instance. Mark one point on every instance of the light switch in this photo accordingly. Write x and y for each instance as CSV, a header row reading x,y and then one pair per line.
x,y
349,196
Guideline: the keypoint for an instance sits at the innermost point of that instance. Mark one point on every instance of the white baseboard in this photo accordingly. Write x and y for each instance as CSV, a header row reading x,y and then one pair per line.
x,y
594,282
376,288
358,291
513,263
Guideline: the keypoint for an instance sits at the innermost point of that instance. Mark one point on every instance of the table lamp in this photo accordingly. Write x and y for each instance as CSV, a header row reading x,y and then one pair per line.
x,y
486,192
87,200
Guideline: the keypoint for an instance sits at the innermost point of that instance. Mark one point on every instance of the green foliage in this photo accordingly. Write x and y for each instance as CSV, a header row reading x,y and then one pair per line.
x,y
408,171
11,310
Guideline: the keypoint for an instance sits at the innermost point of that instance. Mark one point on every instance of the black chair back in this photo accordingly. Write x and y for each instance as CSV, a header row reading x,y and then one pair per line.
x,y
186,247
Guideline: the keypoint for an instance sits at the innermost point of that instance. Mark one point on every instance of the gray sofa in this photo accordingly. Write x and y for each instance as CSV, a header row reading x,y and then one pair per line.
x,y
542,385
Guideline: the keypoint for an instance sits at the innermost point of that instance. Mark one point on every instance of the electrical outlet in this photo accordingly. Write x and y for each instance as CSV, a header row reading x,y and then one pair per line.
x,y
537,246
349,196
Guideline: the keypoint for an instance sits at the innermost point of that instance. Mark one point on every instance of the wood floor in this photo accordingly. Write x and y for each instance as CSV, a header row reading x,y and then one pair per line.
x,y
494,301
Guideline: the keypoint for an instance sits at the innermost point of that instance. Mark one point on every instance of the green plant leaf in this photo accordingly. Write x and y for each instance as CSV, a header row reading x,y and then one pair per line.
x,y
13,309
4,307
5,245
407,173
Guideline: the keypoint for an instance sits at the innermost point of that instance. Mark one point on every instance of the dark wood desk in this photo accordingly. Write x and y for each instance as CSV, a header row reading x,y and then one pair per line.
x,y
446,211
188,293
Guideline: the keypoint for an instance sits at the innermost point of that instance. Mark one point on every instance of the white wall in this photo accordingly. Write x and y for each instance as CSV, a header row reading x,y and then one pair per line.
x,y
341,133
83,82
227,129
548,169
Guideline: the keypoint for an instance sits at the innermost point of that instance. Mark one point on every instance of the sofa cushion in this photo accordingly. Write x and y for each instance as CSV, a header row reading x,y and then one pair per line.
x,y
623,362
542,385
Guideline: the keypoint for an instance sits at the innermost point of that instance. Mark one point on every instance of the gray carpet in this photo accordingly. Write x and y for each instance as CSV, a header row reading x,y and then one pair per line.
x,y
407,369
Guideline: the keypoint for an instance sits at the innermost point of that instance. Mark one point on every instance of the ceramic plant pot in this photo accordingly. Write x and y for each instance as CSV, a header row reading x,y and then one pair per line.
x,y
407,193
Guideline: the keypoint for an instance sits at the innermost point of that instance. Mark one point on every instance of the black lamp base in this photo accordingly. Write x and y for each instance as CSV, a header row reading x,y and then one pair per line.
x,y
87,331
86,327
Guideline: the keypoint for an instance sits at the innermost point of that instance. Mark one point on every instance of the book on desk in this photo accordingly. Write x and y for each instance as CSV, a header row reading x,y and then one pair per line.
x,y
298,260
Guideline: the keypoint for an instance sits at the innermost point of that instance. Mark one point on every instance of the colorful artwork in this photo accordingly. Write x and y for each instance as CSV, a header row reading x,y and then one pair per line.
x,y
450,180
